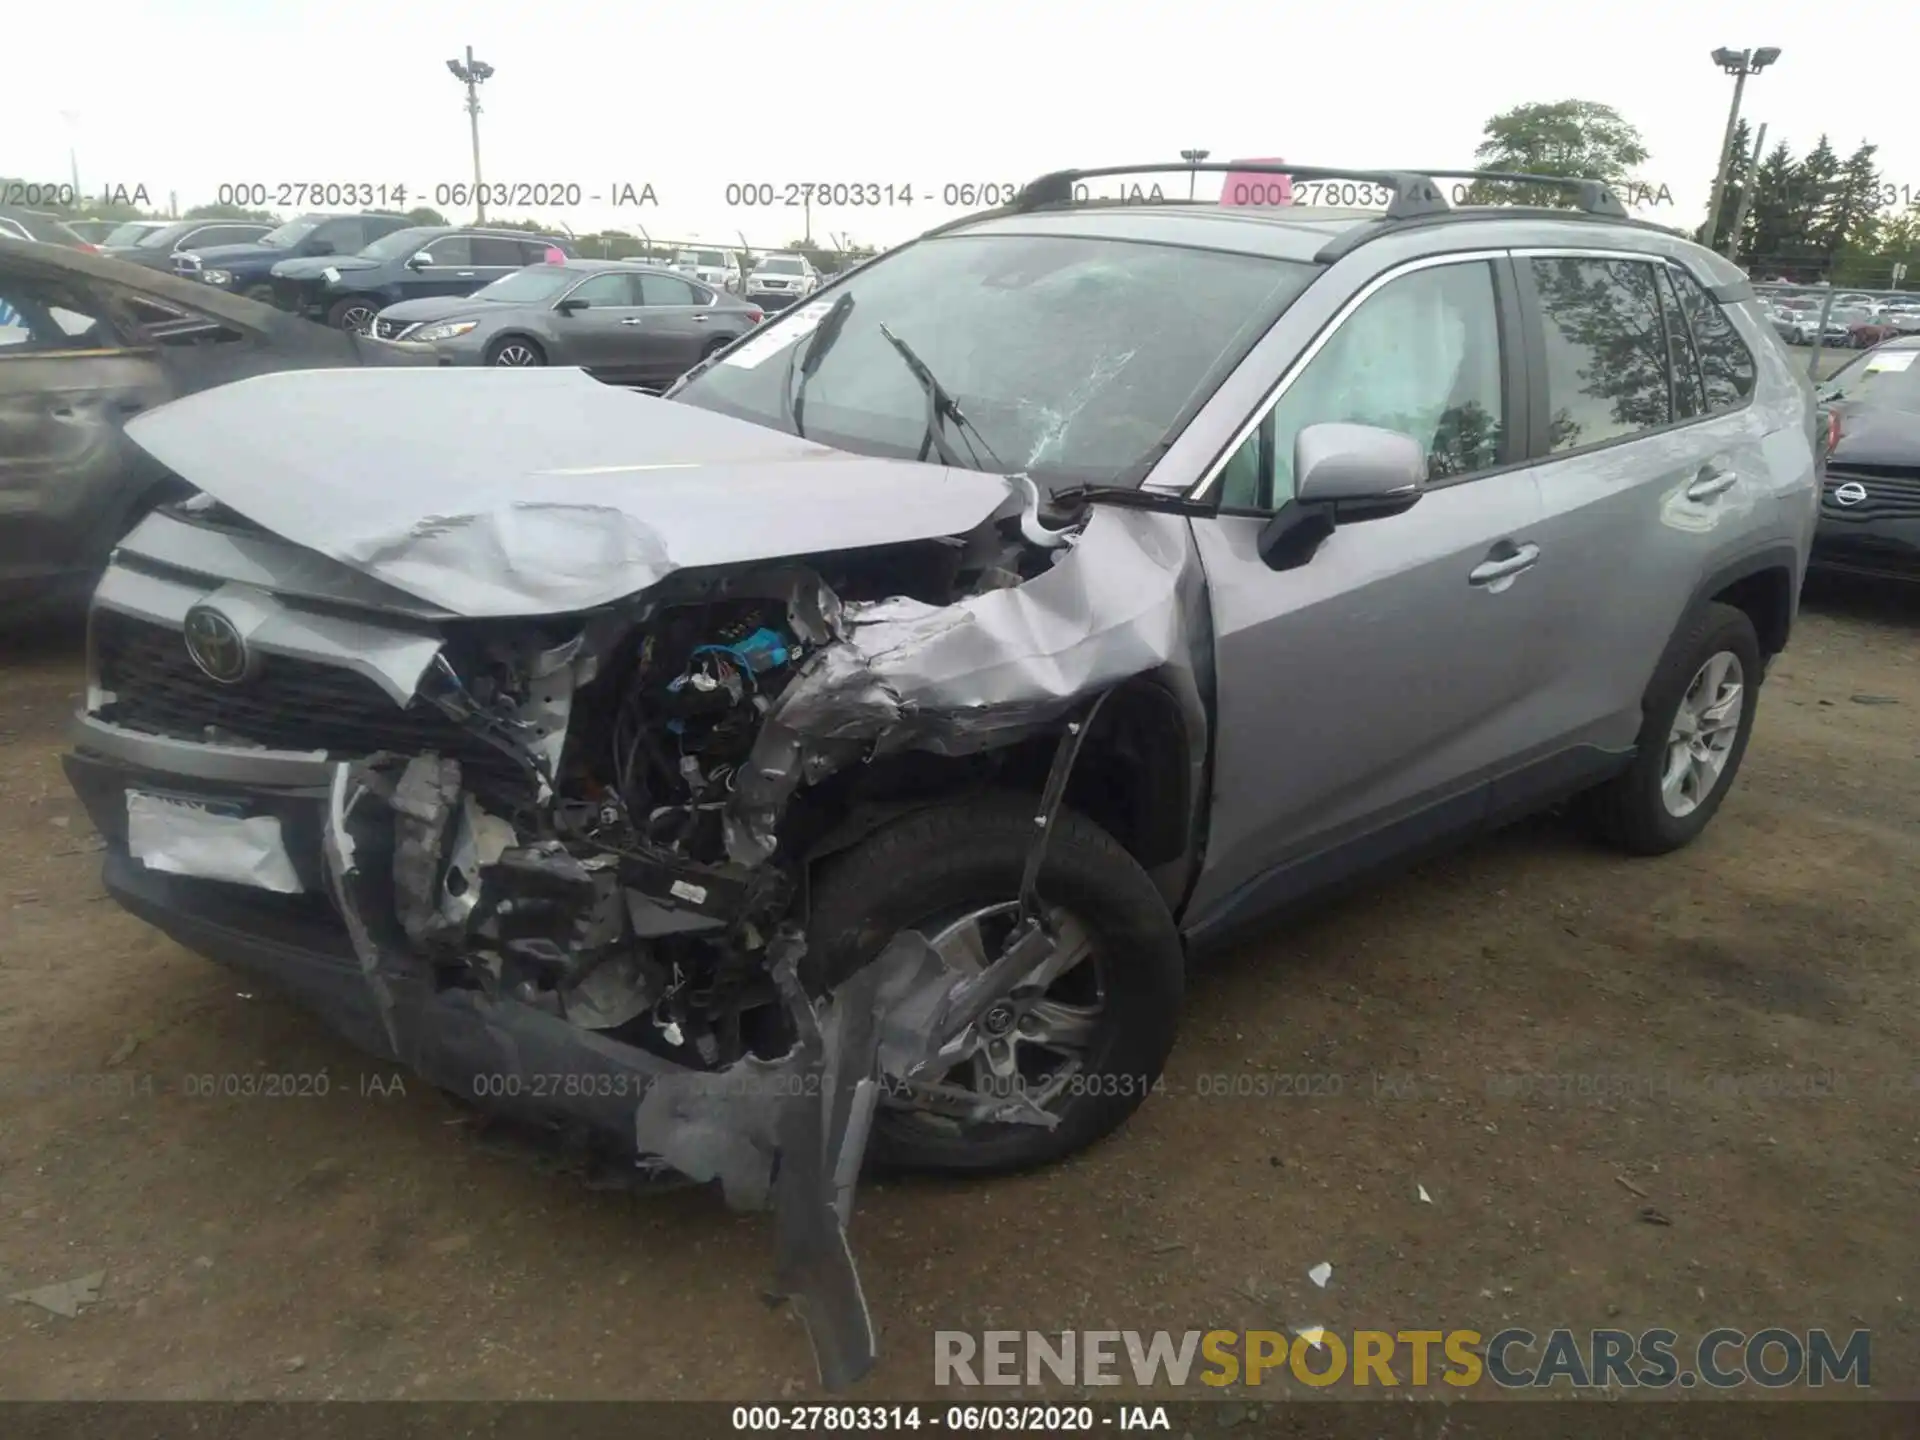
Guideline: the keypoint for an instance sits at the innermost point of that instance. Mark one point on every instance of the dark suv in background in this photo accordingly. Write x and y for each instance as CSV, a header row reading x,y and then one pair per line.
x,y
162,248
248,269
411,264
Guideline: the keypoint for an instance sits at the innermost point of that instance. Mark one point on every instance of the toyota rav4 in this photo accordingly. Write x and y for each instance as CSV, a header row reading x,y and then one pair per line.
x,y
844,755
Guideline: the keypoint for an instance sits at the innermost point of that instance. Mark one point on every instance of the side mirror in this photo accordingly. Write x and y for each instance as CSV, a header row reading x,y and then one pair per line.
x,y
569,305
1342,472
419,260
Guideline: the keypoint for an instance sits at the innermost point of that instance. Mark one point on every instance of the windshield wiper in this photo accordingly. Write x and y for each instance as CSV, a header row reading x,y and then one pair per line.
x,y
817,342
1127,497
941,406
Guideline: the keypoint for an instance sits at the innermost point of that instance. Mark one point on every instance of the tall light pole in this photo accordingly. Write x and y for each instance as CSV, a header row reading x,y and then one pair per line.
x,y
1739,64
1193,157
1746,197
471,74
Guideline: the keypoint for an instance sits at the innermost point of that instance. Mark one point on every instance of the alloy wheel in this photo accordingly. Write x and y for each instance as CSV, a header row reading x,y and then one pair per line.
x,y
515,353
1030,1045
1704,728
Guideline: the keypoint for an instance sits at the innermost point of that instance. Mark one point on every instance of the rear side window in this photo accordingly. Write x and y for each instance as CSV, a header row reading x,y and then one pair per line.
x,y
1606,350
1725,362
491,250
450,250
667,290
1689,389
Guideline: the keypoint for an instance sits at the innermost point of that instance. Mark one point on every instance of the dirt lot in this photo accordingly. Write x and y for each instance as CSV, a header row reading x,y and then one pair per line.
x,y
1745,1011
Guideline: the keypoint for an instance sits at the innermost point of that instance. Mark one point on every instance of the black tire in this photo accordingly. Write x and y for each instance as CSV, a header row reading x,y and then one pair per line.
x,y
531,347
1628,810
968,854
715,346
340,314
261,293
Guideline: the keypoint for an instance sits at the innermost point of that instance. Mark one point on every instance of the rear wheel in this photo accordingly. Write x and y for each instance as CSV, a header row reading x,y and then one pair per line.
x,y
1698,715
515,350
1084,1037
715,346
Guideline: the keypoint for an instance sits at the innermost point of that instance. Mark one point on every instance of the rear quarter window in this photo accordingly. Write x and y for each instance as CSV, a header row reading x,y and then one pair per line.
x,y
1726,364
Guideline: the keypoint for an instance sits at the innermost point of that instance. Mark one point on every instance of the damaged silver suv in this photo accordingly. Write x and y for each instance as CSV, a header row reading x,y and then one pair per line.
x,y
843,756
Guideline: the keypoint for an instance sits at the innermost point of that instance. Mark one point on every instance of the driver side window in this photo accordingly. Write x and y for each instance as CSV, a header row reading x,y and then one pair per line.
x,y
1421,355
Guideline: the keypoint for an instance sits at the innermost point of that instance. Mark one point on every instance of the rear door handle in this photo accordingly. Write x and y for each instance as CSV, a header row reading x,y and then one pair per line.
x,y
1712,481
1494,573
701,319
634,320
464,274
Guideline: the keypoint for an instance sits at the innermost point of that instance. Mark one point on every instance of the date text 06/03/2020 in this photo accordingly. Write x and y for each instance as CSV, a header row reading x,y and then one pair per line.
x,y
962,1419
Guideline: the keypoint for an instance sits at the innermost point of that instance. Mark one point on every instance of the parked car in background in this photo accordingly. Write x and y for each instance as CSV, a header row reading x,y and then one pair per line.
x,y
418,263
123,233
36,225
85,344
1870,495
1867,333
779,280
162,248
622,322
247,269
718,269
95,232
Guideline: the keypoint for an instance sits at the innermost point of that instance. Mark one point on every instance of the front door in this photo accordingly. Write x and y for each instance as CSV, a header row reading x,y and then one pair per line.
x,y
1367,697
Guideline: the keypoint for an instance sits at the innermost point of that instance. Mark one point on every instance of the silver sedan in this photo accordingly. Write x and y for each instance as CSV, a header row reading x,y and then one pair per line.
x,y
626,323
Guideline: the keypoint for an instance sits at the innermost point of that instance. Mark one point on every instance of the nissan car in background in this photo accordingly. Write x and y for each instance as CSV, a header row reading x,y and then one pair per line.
x,y
418,263
718,269
1870,496
779,280
622,322
247,269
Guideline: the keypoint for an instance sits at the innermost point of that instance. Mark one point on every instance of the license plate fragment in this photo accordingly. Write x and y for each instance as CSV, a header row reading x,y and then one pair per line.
x,y
180,837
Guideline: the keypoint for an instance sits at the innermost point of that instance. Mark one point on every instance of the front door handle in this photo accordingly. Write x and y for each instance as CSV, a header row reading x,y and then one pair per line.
x,y
1497,572
701,319
464,274
1712,481
634,320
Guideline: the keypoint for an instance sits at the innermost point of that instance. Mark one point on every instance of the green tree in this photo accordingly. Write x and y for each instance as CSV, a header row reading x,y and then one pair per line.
x,y
229,212
535,227
1738,181
425,215
1579,139
1769,231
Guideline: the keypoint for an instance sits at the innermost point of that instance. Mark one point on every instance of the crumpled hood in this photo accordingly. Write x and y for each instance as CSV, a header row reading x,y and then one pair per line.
x,y
495,492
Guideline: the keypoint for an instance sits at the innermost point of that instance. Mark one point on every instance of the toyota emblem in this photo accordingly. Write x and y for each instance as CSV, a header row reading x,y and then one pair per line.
x,y
216,646
1851,493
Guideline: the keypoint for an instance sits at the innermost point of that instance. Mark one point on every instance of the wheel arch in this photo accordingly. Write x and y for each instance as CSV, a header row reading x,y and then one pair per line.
x,y
1765,586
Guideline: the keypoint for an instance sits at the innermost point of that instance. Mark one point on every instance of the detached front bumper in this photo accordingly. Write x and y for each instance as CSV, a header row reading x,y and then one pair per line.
x,y
785,1134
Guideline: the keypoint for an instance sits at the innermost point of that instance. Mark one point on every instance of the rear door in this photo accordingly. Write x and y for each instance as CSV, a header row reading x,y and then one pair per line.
x,y
679,323
1651,471
1366,697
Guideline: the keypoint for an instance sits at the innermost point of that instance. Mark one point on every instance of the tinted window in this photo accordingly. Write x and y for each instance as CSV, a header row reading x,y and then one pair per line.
x,y
534,252
491,250
1421,355
1076,358
450,250
399,244
613,289
1725,361
348,237
1606,355
1689,396
668,290
783,265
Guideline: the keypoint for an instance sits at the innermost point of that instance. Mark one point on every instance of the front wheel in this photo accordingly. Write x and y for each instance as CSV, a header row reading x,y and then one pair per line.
x,y
1697,717
1087,1034
516,350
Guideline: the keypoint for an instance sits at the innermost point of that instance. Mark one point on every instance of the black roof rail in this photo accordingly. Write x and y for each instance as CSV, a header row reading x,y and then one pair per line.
x,y
1350,240
1413,193
1596,197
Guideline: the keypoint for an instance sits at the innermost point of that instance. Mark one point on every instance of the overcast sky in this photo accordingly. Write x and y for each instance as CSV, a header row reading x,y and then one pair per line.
x,y
184,95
